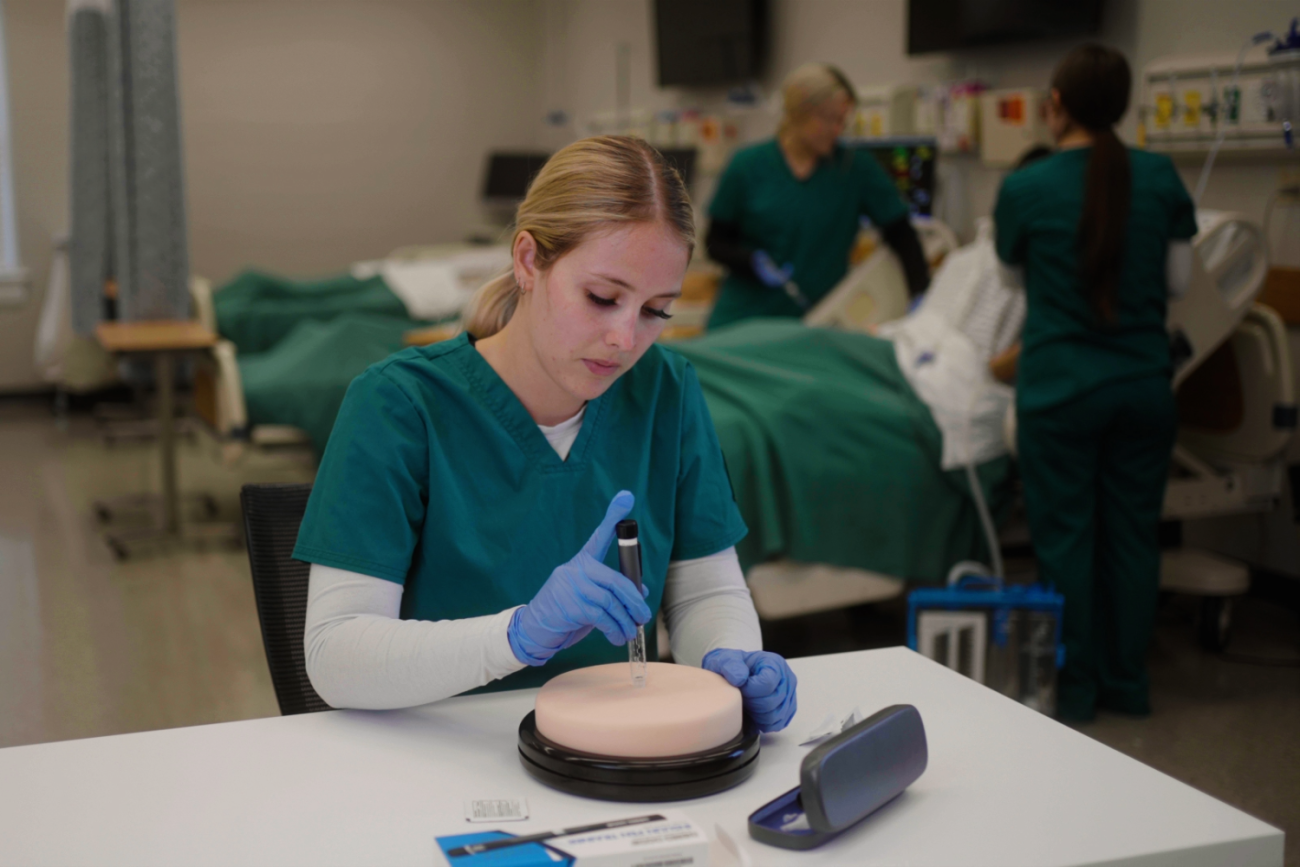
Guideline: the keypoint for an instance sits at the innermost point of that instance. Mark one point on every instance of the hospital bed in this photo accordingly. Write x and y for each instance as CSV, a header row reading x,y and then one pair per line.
x,y
875,289
872,293
1237,416
219,392
346,322
1237,409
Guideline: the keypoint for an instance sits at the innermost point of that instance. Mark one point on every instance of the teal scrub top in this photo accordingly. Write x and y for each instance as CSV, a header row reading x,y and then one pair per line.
x,y
810,224
437,478
1066,352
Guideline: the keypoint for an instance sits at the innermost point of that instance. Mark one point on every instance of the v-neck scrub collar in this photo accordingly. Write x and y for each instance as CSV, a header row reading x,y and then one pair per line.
x,y
510,411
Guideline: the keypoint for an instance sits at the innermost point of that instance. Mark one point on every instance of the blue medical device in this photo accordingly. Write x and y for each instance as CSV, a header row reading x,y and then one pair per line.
x,y
1007,637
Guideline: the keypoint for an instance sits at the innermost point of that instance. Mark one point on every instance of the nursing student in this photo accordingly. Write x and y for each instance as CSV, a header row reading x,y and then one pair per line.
x,y
1099,230
787,210
460,525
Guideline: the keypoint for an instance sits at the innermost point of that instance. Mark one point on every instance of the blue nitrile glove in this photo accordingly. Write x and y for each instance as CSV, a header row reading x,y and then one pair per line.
x,y
581,595
766,684
767,272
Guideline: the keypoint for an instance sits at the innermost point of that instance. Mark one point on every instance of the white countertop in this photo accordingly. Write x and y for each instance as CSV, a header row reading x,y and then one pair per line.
x,y
1005,786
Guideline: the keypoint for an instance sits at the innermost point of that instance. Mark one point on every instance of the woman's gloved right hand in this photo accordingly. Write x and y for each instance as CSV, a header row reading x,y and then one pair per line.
x,y
768,273
581,595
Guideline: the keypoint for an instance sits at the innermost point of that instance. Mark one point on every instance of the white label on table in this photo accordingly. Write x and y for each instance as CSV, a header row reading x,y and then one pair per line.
x,y
496,810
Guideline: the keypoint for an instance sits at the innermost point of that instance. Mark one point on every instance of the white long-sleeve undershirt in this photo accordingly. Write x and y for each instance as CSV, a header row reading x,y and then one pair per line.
x,y
360,654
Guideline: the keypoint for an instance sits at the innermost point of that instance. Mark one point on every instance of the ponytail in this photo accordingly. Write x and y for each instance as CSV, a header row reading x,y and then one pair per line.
x,y
1093,82
492,306
1104,224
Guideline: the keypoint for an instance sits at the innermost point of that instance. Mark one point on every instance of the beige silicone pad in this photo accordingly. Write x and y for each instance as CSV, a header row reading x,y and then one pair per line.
x,y
681,710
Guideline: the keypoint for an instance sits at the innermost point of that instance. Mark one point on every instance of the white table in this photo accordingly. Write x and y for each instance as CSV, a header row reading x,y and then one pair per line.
x,y
1005,786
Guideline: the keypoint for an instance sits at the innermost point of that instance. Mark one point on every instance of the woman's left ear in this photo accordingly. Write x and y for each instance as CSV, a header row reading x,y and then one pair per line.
x,y
525,260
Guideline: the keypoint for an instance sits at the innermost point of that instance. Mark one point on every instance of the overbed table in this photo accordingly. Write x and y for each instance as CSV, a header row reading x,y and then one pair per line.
x,y
164,341
1005,786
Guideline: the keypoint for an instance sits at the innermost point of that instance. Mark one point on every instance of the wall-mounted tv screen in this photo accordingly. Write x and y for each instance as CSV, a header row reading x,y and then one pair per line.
x,y
942,25
710,43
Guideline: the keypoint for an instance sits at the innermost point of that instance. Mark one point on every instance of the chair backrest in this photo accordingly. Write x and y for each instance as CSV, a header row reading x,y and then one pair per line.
x,y
272,514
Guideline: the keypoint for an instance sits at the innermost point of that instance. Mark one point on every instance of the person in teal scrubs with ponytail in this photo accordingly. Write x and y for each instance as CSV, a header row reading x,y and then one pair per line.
x,y
1094,228
460,525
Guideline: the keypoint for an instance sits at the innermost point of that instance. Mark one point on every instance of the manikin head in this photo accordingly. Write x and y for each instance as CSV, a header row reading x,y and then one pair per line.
x,y
601,245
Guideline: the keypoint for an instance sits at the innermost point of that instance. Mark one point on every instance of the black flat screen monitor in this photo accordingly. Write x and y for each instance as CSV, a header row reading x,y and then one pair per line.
x,y
909,162
710,43
509,174
942,25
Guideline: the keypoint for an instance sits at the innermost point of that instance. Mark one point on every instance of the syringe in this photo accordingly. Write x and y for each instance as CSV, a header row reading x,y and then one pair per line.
x,y
629,560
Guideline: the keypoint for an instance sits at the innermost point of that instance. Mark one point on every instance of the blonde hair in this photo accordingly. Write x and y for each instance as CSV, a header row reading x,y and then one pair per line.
x,y
591,185
808,87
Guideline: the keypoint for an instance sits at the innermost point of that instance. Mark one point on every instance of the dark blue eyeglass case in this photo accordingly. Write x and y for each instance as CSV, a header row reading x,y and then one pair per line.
x,y
846,779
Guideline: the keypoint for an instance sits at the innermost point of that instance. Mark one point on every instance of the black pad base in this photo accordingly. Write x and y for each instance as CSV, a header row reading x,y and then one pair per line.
x,y
605,778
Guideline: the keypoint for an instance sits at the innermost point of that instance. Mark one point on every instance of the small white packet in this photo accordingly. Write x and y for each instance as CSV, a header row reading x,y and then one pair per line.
x,y
830,726
496,810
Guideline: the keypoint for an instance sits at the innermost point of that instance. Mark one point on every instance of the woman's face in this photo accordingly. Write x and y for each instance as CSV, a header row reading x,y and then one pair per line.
x,y
823,124
597,309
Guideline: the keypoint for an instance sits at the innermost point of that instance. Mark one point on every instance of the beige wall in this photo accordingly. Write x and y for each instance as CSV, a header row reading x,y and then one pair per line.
x,y
320,133
38,82
317,132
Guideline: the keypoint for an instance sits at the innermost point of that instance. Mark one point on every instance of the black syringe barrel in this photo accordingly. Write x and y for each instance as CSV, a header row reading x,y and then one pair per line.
x,y
629,550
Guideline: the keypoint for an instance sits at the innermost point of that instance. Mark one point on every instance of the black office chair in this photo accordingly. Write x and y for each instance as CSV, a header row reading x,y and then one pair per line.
x,y
272,514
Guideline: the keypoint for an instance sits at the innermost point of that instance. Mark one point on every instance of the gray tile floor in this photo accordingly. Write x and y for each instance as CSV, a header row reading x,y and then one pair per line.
x,y
90,646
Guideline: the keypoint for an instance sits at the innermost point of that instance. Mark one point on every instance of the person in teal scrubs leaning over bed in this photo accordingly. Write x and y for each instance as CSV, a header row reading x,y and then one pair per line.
x,y
1098,229
460,524
787,211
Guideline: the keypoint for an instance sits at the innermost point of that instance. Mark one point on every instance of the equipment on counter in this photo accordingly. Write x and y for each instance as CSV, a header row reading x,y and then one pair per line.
x,y
1199,103
846,779
1011,122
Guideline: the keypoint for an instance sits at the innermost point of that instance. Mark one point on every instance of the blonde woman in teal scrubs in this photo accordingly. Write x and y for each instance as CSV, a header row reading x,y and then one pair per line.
x,y
787,210
460,524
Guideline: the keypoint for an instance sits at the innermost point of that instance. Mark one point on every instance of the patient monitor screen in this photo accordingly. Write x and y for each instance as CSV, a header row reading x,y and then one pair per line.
x,y
910,163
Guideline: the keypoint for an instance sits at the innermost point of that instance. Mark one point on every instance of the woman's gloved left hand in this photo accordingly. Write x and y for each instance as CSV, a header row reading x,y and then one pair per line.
x,y
766,684
767,271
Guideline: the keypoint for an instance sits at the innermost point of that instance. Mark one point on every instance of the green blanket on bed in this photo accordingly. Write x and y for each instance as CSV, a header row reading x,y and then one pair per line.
x,y
832,456
301,382
255,310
